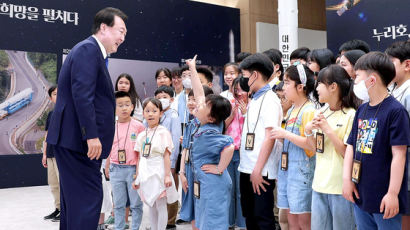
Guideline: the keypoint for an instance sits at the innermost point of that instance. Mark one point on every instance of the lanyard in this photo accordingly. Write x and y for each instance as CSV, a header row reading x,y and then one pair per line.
x,y
367,139
152,137
259,113
297,115
126,136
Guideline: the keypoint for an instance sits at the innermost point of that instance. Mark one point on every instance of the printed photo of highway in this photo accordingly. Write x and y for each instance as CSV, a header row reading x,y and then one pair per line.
x,y
24,103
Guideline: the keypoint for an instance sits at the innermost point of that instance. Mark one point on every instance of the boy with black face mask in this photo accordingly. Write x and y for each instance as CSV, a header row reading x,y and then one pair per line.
x,y
258,164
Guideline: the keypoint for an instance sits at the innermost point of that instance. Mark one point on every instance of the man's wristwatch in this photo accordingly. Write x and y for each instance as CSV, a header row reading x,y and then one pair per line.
x,y
181,172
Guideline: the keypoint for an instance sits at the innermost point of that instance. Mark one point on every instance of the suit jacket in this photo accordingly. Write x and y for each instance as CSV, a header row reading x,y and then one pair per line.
x,y
85,101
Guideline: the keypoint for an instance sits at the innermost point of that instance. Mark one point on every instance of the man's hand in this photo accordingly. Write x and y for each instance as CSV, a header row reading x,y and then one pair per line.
x,y
94,148
390,205
257,182
44,161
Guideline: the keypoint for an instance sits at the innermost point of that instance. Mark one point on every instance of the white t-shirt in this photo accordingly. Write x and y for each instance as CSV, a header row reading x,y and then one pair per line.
x,y
228,95
174,105
270,116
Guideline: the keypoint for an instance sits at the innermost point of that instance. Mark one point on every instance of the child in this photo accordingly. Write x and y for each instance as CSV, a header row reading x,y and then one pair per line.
x,y
234,124
125,83
187,212
211,154
375,166
154,180
276,58
299,56
332,124
349,59
297,163
170,120
286,104
163,77
231,72
205,76
399,54
122,162
49,162
258,166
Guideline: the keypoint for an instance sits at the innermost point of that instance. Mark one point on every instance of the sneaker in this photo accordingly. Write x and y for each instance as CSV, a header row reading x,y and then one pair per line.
x,y
52,215
110,220
181,221
56,218
171,227
127,226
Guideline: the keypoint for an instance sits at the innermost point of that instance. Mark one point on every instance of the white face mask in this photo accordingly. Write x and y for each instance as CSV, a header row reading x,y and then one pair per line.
x,y
164,103
361,91
187,83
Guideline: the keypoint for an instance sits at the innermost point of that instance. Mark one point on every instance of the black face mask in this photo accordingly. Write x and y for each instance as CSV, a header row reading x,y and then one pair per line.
x,y
243,82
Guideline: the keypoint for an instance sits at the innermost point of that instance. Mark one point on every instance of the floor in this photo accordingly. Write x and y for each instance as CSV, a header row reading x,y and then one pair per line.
x,y
24,208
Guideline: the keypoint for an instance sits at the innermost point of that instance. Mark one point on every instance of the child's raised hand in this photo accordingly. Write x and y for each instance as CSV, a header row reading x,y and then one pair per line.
x,y
191,63
168,181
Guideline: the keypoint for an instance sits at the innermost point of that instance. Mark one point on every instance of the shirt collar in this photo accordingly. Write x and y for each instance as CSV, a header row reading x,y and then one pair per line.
x,y
102,48
398,92
261,91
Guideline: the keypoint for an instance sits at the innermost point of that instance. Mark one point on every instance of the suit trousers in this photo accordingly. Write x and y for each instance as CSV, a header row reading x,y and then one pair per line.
x,y
81,190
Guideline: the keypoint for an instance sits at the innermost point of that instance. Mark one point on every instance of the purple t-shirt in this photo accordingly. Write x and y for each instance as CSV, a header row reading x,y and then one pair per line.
x,y
374,135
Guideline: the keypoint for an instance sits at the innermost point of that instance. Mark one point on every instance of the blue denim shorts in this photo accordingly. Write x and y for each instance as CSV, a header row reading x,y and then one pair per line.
x,y
295,186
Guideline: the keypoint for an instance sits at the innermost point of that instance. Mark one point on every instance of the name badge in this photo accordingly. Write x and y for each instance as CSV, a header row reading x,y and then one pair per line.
x,y
197,189
320,138
284,161
250,141
147,150
356,171
122,156
187,152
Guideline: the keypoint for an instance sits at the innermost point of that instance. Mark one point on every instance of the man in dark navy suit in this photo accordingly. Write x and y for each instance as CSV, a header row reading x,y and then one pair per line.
x,y
82,126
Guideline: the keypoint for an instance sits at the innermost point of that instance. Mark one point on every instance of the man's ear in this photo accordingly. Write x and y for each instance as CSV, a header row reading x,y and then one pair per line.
x,y
171,100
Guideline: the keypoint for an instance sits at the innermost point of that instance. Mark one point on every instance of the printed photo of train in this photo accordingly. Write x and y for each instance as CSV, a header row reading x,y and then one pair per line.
x,y
16,102
24,103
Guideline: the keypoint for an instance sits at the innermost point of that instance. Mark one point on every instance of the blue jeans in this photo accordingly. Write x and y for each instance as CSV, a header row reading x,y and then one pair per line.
x,y
331,211
370,221
235,210
121,177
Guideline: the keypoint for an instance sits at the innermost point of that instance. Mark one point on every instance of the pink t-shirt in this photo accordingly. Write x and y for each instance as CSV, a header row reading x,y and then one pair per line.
x,y
120,139
234,130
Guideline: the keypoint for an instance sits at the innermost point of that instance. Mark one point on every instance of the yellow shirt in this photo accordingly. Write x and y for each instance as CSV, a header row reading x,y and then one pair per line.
x,y
329,165
308,113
